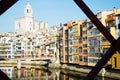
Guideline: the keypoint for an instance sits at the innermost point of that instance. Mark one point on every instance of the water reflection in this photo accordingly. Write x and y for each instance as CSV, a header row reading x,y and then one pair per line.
x,y
44,74
33,74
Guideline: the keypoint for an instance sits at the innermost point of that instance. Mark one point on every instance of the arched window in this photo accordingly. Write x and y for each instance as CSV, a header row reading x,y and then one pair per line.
x,y
28,11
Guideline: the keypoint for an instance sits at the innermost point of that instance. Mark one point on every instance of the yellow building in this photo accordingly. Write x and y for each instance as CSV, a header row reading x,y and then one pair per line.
x,y
2,51
115,60
112,26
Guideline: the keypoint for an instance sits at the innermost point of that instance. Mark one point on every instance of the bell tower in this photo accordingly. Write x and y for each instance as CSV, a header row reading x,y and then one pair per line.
x,y
28,11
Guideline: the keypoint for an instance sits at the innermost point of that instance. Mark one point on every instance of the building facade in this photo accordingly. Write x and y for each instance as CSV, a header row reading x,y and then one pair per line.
x,y
72,43
97,46
64,57
84,42
7,47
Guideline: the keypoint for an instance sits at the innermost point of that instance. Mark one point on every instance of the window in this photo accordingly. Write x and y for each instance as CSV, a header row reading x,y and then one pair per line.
x,y
96,31
118,17
80,49
80,30
85,51
90,25
66,58
70,36
80,40
66,49
84,45
115,62
84,39
19,47
80,58
84,32
28,47
9,69
96,42
70,42
85,59
105,50
28,43
76,59
75,49
119,26
28,11
93,60
70,29
70,50
70,58
66,42
61,58
104,39
92,50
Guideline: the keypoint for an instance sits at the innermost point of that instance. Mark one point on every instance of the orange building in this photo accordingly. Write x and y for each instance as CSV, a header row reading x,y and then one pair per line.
x,y
72,43
64,57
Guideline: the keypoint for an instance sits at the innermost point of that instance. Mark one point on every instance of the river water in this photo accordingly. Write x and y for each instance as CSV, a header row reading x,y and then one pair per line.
x,y
45,74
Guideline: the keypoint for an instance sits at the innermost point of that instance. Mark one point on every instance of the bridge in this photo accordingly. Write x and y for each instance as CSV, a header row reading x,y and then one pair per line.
x,y
34,59
28,62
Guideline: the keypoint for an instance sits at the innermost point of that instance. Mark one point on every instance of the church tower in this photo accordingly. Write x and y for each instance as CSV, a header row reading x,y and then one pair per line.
x,y
28,24
28,11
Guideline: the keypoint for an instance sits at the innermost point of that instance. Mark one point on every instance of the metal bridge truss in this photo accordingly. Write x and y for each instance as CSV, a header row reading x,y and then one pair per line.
x,y
115,44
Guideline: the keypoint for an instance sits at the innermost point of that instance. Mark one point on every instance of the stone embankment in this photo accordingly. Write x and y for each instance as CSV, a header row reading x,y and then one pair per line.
x,y
85,70
27,64
64,67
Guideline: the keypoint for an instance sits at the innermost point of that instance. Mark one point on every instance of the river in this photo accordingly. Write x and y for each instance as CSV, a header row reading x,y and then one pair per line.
x,y
45,74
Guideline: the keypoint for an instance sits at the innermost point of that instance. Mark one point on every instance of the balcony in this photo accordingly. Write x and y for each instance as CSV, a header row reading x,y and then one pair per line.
x,y
75,37
84,35
75,44
105,43
75,31
75,59
110,19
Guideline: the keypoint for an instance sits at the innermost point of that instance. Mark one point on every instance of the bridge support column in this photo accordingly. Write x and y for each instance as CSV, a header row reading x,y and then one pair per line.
x,y
19,73
103,71
18,64
58,74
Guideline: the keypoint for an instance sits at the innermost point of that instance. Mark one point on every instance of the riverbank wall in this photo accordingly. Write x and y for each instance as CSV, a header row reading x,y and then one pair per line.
x,y
64,67
115,74
26,64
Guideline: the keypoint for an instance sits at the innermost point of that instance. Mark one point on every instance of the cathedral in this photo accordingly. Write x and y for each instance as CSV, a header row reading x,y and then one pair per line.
x,y
28,24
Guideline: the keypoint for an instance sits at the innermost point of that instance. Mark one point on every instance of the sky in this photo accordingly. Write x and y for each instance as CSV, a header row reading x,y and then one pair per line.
x,y
54,12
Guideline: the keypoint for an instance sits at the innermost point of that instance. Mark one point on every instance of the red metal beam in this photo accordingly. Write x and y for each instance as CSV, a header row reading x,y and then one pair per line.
x,y
3,76
115,43
6,4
